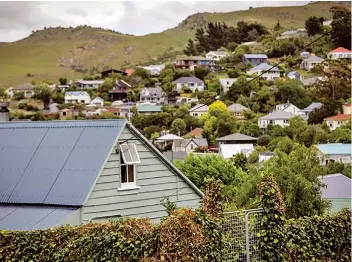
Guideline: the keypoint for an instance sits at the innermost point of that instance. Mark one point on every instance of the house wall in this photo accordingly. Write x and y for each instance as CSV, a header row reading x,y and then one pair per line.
x,y
347,110
268,75
292,109
198,114
155,180
73,219
339,55
264,123
192,86
325,159
333,124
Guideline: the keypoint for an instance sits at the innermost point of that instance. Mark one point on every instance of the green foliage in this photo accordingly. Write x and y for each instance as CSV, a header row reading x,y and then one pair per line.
x,y
314,25
240,160
58,97
43,93
141,72
283,144
18,96
341,27
178,127
63,81
201,72
277,27
341,134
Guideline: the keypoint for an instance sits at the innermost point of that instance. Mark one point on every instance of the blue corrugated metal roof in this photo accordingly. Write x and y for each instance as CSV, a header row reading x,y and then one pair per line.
x,y
53,162
335,149
19,217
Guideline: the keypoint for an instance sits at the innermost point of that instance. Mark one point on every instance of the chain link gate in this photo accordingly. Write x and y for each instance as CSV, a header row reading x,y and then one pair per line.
x,y
240,228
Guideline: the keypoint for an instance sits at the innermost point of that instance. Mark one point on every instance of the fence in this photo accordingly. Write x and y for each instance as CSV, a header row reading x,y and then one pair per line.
x,y
241,243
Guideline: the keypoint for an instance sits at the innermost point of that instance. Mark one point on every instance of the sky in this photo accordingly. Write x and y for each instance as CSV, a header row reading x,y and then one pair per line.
x,y
18,19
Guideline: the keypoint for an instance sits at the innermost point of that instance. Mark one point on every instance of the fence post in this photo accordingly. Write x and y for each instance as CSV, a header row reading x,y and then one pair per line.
x,y
247,237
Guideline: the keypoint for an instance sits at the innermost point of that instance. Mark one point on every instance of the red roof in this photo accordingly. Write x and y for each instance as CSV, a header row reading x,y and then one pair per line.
x,y
340,50
196,132
347,105
340,117
113,109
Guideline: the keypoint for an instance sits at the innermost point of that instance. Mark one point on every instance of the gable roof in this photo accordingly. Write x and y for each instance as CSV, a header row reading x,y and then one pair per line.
x,y
153,91
197,141
277,115
252,56
237,108
312,106
25,86
337,186
263,67
340,50
237,137
196,132
313,58
199,108
341,117
54,163
97,99
188,79
335,149
293,73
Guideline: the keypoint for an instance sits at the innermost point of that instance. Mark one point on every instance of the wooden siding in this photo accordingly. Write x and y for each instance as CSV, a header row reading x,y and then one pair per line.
x,y
155,180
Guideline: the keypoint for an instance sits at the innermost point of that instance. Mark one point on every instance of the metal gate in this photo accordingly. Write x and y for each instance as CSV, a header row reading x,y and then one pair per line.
x,y
241,243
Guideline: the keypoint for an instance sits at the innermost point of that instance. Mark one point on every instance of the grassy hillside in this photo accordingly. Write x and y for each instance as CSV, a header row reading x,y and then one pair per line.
x,y
54,52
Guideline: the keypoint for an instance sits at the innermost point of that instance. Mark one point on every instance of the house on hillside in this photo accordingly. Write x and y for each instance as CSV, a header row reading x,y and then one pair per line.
x,y
191,62
289,108
294,75
334,122
191,82
66,114
188,144
198,110
229,150
269,72
120,90
237,110
77,97
122,111
196,133
340,53
88,84
254,59
226,83
293,34
72,172
237,138
109,72
216,55
154,70
97,101
311,62
316,105
265,156
334,152
337,190
153,95
280,118
252,44
27,89
147,108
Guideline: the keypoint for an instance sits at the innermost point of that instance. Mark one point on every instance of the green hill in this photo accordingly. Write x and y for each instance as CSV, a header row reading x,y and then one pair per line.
x,y
70,52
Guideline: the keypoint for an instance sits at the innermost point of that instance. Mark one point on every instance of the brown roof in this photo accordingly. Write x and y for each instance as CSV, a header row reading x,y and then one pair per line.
x,y
113,109
196,132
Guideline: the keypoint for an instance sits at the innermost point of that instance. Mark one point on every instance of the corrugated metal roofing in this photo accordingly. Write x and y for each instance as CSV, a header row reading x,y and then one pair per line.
x,y
335,149
262,56
53,162
277,115
337,186
18,217
237,137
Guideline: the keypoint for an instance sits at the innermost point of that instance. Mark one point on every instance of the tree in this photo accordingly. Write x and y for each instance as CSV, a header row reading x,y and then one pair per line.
x,y
314,25
191,48
141,72
201,72
43,93
283,144
233,73
18,96
240,160
178,127
63,81
341,27
277,27
232,46
58,97
2,92
341,134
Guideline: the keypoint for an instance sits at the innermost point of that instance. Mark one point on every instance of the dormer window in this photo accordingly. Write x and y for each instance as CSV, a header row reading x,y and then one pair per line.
x,y
128,159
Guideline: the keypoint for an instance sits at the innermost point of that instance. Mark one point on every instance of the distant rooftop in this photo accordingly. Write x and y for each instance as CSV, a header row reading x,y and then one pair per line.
x,y
187,79
277,115
237,137
337,186
262,56
264,67
335,149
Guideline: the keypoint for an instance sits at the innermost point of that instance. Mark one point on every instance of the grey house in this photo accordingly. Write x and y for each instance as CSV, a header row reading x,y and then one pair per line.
x,y
254,59
72,172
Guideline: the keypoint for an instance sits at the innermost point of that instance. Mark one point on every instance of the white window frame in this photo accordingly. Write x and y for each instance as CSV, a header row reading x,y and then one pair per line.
x,y
128,185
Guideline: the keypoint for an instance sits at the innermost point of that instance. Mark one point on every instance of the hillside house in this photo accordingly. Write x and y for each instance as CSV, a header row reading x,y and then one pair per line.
x,y
305,54
198,110
271,73
122,111
334,152
252,44
97,101
293,34
226,83
66,114
191,62
216,55
153,95
265,156
316,105
77,97
280,118
229,150
154,70
254,59
289,108
88,84
237,138
311,61
27,89
294,75
120,90
334,122
237,110
191,82
340,53
109,72
147,108
72,172
188,145
337,190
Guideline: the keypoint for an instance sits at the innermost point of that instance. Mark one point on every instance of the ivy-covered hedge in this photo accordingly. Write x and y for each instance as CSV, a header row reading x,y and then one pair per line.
x,y
319,238
184,235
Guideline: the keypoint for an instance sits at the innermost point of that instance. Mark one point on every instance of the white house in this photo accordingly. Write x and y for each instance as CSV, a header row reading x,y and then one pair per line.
x,y
226,83
340,53
152,95
198,110
335,152
188,145
271,74
27,89
334,122
216,55
264,156
280,118
229,150
289,108
311,62
98,102
154,70
77,97
294,75
88,84
191,82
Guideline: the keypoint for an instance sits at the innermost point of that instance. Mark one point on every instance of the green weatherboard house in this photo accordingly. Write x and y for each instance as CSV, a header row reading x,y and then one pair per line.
x,y
72,172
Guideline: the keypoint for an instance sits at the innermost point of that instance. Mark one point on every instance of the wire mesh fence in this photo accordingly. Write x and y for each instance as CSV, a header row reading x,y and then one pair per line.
x,y
241,243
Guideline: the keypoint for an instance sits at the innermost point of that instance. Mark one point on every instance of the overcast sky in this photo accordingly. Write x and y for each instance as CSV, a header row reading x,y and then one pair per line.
x,y
18,19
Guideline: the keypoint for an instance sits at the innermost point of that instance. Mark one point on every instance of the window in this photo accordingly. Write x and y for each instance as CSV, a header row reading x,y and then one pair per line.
x,y
129,158
64,113
191,146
